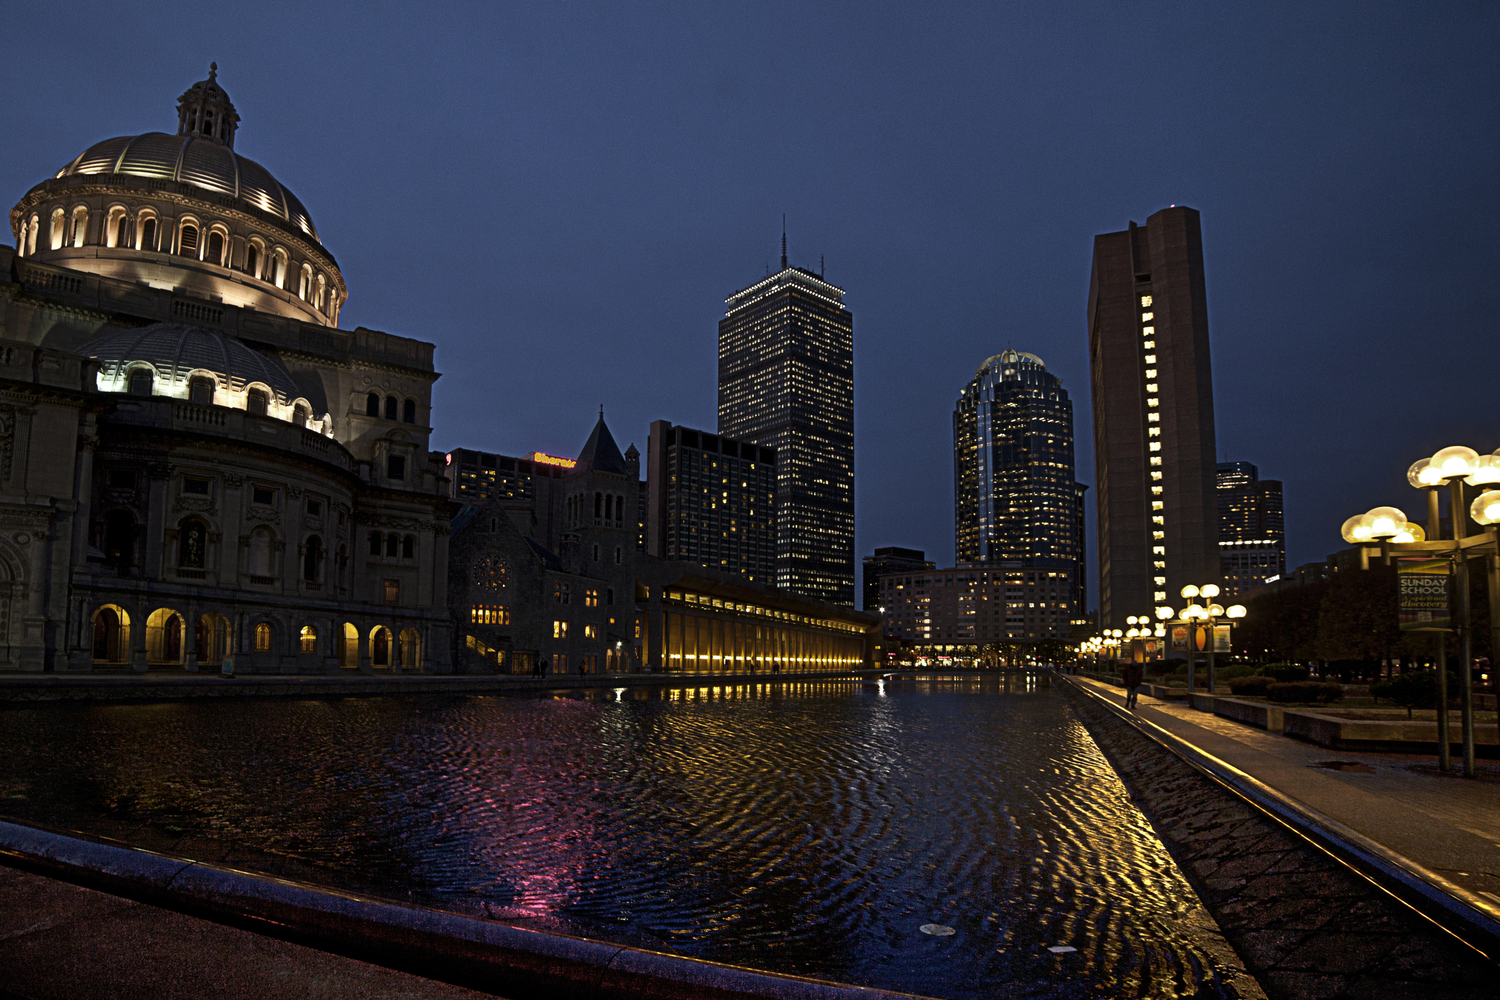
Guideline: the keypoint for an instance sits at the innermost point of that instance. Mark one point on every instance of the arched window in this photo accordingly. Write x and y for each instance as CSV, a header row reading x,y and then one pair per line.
x,y
301,415
192,543
80,225
392,545
609,508
308,639
111,634
372,405
201,390
598,507
278,268
312,559
374,543
391,405
263,638
58,225
116,228
252,259
257,402
304,285
322,292
215,254
148,234
409,412
380,648
187,242
261,543
408,547
141,381
119,538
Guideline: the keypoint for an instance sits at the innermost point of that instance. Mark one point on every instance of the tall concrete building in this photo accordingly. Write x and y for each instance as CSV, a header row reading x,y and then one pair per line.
x,y
1252,538
786,381
1157,506
1014,495
711,502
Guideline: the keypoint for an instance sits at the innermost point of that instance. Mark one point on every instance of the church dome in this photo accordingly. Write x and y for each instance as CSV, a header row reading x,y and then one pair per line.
x,y
177,355
185,212
210,166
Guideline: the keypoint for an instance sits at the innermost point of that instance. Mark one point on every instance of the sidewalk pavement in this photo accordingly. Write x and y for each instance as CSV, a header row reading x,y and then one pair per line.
x,y
62,942
1445,823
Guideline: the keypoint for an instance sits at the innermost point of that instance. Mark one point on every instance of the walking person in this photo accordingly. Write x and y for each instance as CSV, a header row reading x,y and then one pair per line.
x,y
1133,674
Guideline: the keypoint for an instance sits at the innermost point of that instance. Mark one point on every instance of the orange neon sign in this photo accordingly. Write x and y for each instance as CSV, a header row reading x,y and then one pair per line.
x,y
545,459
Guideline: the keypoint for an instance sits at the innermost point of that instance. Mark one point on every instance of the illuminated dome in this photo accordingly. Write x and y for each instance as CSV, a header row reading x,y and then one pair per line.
x,y
170,359
203,163
185,212
1009,358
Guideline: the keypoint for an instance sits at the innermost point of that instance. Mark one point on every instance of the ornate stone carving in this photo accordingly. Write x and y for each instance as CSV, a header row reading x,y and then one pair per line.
x,y
234,480
202,505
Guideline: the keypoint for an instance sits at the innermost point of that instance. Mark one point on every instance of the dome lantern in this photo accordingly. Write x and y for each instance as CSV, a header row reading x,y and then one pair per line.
x,y
206,111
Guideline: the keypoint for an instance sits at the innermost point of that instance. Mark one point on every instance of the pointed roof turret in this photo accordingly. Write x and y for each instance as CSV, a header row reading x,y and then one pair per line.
x,y
600,453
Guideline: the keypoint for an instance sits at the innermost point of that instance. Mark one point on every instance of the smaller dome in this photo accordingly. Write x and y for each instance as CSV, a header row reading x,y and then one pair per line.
x,y
176,353
1009,358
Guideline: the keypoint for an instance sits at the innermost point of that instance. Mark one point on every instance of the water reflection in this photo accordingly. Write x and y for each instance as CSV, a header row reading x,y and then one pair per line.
x,y
811,827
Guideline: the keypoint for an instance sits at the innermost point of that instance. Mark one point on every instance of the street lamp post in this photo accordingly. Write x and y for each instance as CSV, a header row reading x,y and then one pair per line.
x,y
1207,612
1388,527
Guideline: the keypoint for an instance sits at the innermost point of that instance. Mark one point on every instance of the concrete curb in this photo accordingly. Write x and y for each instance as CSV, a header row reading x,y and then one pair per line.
x,y
1466,916
513,962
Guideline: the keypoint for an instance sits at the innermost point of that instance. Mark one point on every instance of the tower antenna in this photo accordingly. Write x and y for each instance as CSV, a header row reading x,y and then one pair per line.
x,y
783,241
822,268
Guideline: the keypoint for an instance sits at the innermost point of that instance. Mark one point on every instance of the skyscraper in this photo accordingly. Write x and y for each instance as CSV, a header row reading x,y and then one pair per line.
x,y
1014,494
786,381
1157,507
889,559
1252,539
712,502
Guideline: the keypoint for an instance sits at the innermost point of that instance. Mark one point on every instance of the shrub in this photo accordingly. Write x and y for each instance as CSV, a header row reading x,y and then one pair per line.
x,y
1413,689
1321,692
1254,686
1287,672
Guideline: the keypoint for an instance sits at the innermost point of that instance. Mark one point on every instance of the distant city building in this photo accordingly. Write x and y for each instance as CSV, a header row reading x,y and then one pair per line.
x,y
1156,507
889,559
786,381
596,604
711,502
1015,496
1252,539
967,607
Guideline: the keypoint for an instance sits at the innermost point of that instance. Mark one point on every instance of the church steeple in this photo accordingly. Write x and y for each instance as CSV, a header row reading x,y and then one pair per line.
x,y
206,111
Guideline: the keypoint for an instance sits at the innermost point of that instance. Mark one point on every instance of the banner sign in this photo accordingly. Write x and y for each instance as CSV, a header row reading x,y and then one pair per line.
x,y
1221,638
1179,638
1422,589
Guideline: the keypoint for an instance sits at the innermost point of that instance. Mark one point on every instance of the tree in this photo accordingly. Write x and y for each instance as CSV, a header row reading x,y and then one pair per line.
x,y
1357,619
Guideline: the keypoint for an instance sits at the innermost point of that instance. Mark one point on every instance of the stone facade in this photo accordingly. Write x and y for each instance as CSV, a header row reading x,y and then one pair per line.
x,y
189,474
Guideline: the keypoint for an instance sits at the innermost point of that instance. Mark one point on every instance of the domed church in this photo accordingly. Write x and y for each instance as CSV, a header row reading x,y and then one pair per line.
x,y
196,462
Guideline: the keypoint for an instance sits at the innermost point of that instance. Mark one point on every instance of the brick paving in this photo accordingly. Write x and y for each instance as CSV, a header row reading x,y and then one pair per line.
x,y
1305,926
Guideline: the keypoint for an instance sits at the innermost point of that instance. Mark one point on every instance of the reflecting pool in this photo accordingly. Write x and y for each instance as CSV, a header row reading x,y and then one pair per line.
x,y
810,828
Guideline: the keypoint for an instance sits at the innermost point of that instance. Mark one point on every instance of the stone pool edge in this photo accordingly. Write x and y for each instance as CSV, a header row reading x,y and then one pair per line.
x,y
517,963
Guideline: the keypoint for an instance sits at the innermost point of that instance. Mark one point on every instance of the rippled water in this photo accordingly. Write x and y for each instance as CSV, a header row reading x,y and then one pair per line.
x,y
807,828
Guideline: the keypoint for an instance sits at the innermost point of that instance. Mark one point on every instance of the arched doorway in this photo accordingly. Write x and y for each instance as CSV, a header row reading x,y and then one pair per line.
x,y
349,647
164,628
211,639
410,649
111,636
380,647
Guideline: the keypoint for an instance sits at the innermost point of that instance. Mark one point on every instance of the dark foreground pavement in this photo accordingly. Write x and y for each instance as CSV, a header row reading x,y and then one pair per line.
x,y
62,942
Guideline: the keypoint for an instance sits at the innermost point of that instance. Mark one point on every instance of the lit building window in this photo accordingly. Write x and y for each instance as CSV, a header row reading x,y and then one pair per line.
x,y
1152,401
1153,418
1147,317
1155,446
1151,359
1145,301
591,631
1156,461
309,639
489,614
1151,373
1148,331
1157,505
1161,595
262,638
559,629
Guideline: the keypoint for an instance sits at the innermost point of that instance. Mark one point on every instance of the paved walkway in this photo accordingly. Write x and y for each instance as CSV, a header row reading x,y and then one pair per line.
x,y
62,942
1445,823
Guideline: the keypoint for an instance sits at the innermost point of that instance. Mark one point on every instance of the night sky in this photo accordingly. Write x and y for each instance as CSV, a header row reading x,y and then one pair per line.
x,y
561,198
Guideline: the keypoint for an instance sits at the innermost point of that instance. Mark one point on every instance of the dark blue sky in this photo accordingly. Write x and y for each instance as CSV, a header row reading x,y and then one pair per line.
x,y
561,197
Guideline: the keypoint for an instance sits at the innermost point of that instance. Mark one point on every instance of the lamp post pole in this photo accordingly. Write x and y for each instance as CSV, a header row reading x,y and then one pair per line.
x,y
1458,512
1440,641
